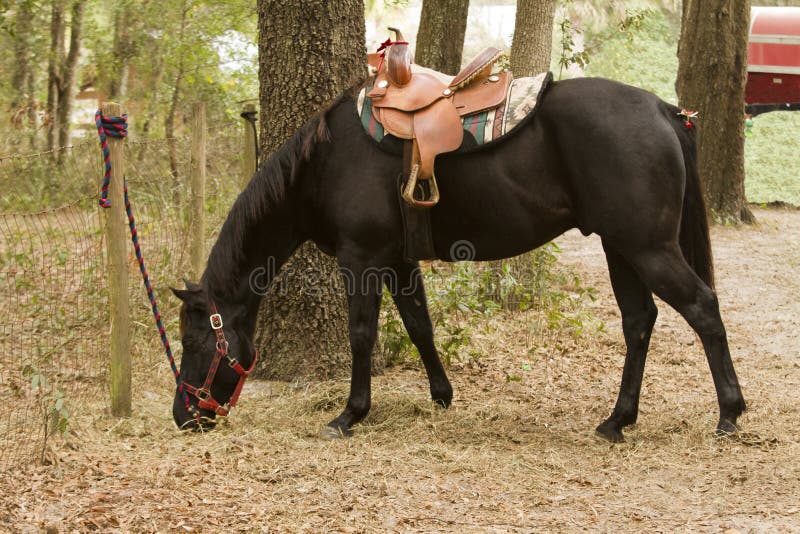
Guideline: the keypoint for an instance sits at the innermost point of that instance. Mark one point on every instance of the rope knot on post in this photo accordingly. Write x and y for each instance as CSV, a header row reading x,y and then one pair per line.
x,y
114,127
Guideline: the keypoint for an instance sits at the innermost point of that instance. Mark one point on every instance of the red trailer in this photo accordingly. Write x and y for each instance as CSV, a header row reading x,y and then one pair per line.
x,y
773,70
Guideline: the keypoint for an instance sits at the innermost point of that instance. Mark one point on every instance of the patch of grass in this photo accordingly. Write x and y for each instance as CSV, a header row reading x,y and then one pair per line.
x,y
644,56
771,163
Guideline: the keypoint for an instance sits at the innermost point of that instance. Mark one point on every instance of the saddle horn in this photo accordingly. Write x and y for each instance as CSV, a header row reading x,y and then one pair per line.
x,y
399,60
398,35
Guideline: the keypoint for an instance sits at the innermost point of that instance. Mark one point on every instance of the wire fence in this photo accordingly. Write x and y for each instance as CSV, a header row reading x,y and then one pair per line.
x,y
54,310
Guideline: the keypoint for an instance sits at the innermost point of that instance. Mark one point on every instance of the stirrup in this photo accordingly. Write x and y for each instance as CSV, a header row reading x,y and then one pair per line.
x,y
411,186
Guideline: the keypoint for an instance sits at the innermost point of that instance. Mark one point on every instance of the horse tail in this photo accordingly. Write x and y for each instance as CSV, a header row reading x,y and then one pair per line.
x,y
694,236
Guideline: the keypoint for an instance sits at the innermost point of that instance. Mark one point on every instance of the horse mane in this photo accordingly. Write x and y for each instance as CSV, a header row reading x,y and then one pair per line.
x,y
265,190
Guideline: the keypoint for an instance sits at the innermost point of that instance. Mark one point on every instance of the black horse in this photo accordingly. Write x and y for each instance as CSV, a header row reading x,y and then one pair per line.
x,y
598,155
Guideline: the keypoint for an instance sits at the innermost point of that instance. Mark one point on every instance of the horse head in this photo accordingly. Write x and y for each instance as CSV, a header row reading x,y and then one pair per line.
x,y
217,357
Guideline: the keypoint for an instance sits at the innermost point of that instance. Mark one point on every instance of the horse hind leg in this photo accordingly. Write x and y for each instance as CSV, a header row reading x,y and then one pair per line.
x,y
639,314
668,275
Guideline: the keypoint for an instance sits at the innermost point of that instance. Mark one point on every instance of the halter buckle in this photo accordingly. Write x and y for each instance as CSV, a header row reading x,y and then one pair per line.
x,y
202,394
216,321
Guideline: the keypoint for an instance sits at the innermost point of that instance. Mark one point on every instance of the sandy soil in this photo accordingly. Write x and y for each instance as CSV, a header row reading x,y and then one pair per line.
x,y
514,455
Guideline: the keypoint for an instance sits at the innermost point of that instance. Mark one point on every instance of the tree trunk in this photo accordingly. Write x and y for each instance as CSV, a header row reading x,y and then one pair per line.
x,y
169,124
440,40
712,72
23,101
533,37
55,60
531,50
67,79
22,55
169,120
33,114
122,51
309,52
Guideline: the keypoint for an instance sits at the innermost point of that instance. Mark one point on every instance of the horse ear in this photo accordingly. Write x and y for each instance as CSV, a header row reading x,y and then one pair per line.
x,y
191,286
192,297
183,294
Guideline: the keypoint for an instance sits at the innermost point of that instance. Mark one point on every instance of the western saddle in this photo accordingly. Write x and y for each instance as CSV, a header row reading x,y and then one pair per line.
x,y
425,107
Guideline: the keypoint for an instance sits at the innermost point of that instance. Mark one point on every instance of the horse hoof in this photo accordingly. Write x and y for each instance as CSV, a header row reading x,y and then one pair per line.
x,y
443,396
726,427
335,432
442,403
609,432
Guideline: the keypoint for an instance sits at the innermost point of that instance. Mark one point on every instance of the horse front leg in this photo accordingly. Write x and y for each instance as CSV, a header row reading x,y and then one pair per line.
x,y
408,293
364,301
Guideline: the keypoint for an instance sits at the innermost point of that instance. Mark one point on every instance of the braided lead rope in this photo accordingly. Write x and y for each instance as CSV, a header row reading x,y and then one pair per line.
x,y
118,127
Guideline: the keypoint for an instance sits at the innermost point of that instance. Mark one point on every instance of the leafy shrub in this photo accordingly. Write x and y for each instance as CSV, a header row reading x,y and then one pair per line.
x,y
462,295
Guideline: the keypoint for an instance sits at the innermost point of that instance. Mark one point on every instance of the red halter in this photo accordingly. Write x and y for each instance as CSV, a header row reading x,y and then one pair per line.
x,y
203,394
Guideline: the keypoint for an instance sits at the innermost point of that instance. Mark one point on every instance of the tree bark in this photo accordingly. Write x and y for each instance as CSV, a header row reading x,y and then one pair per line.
x,y
531,50
440,40
55,60
67,79
309,52
23,81
22,55
169,120
712,72
169,123
123,49
33,114
533,37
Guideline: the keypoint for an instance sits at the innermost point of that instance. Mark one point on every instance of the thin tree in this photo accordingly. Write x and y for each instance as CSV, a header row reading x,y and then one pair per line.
x,y
309,52
440,39
712,73
123,50
533,37
68,73
23,81
531,49
62,67
169,120
54,61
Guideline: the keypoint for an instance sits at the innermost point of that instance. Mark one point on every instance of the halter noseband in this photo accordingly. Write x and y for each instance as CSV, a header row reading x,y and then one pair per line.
x,y
203,394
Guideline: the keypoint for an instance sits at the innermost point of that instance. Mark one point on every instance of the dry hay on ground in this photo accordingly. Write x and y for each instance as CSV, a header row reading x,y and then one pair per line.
x,y
509,456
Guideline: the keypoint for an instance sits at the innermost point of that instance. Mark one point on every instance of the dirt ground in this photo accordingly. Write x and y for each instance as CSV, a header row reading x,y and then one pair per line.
x,y
515,455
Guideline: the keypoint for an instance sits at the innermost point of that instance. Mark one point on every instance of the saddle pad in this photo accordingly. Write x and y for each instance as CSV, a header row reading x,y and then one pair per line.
x,y
521,101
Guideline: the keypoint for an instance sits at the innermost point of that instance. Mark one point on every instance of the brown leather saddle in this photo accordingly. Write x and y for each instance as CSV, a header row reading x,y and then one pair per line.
x,y
425,108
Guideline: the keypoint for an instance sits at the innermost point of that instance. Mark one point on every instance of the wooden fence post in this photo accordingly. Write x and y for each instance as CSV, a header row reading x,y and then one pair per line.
x,y
198,177
248,146
117,243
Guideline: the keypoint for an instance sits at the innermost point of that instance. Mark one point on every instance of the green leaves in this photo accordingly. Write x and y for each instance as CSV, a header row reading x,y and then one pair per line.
x,y
570,56
633,21
51,399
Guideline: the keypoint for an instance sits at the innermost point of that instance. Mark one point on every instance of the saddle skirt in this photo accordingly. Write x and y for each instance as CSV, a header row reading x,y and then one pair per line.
x,y
488,123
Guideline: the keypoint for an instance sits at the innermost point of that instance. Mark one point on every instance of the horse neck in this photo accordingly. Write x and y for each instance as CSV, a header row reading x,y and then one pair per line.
x,y
248,253
264,227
